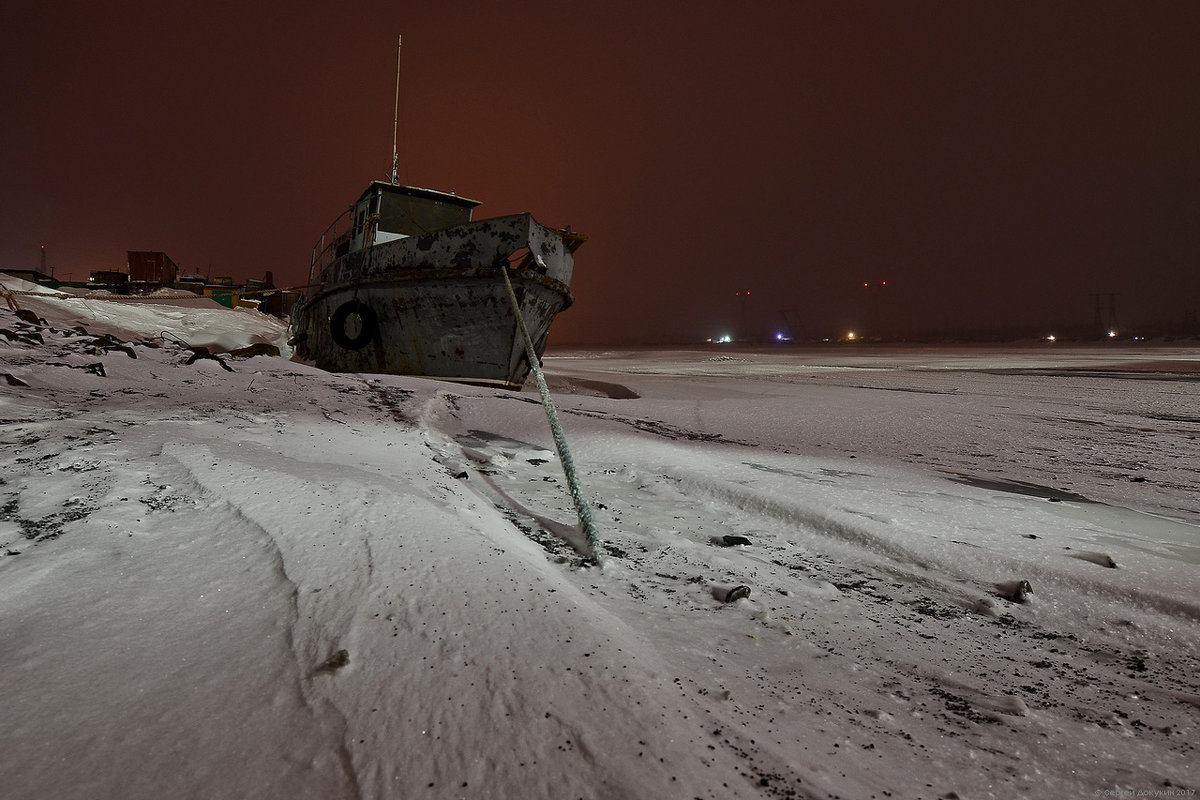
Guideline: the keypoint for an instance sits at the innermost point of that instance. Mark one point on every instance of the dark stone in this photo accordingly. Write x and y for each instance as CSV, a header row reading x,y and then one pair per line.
x,y
1014,591
729,595
108,342
202,352
259,349
336,661
1100,559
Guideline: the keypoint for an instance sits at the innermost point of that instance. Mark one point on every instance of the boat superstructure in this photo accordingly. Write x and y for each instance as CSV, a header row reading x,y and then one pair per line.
x,y
405,282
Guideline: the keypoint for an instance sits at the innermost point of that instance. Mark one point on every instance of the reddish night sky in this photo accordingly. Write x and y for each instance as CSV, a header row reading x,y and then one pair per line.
x,y
996,163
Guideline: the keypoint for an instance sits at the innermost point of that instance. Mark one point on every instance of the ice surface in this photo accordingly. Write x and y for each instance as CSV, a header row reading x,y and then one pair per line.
x,y
270,582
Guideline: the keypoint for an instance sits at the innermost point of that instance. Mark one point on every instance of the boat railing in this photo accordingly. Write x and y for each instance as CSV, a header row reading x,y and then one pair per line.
x,y
333,243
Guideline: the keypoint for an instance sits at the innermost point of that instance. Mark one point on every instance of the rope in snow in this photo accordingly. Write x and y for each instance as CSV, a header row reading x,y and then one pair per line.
x,y
582,508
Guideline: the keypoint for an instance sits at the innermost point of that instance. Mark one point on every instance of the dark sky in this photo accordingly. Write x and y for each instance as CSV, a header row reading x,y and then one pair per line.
x,y
996,163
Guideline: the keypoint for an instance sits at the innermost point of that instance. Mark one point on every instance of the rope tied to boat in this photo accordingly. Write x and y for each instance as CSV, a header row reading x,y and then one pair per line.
x,y
582,508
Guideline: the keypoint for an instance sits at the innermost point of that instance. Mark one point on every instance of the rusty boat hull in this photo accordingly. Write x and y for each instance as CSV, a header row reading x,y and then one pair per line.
x,y
435,304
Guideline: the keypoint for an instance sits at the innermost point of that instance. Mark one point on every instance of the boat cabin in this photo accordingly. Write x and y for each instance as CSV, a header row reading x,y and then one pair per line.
x,y
407,211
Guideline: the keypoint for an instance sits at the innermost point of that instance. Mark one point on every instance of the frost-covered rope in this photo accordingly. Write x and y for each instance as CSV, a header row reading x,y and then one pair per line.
x,y
582,507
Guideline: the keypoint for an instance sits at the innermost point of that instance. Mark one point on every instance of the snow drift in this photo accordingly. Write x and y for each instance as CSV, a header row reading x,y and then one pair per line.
x,y
966,578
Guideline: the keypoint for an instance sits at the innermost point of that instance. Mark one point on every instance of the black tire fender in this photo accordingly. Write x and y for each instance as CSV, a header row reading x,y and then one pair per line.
x,y
368,327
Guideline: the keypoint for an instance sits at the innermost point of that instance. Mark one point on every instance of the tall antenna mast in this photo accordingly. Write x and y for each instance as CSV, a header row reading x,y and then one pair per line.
x,y
396,114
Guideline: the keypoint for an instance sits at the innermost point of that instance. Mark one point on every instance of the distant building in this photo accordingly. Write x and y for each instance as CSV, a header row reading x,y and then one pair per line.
x,y
150,270
31,275
109,280
260,294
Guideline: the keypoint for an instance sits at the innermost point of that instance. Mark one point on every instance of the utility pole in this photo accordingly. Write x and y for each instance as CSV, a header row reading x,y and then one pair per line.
x,y
875,289
742,298
791,320
1106,325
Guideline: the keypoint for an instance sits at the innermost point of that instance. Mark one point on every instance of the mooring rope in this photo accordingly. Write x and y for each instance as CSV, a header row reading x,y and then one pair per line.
x,y
582,507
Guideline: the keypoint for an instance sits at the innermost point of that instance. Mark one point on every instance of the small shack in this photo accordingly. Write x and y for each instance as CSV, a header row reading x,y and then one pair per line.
x,y
150,270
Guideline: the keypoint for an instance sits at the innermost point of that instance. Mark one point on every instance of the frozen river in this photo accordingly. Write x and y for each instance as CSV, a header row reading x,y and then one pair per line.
x,y
832,573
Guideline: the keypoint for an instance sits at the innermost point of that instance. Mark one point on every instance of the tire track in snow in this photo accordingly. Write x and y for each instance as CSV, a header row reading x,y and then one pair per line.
x,y
794,514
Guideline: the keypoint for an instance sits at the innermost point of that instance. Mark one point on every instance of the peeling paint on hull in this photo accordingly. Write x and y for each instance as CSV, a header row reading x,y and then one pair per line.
x,y
436,305
452,328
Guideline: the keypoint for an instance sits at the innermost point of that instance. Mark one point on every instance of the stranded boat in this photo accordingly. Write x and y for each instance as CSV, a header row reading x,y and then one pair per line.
x,y
413,286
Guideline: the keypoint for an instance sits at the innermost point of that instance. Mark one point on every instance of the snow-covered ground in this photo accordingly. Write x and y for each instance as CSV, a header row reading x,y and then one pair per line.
x,y
256,579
